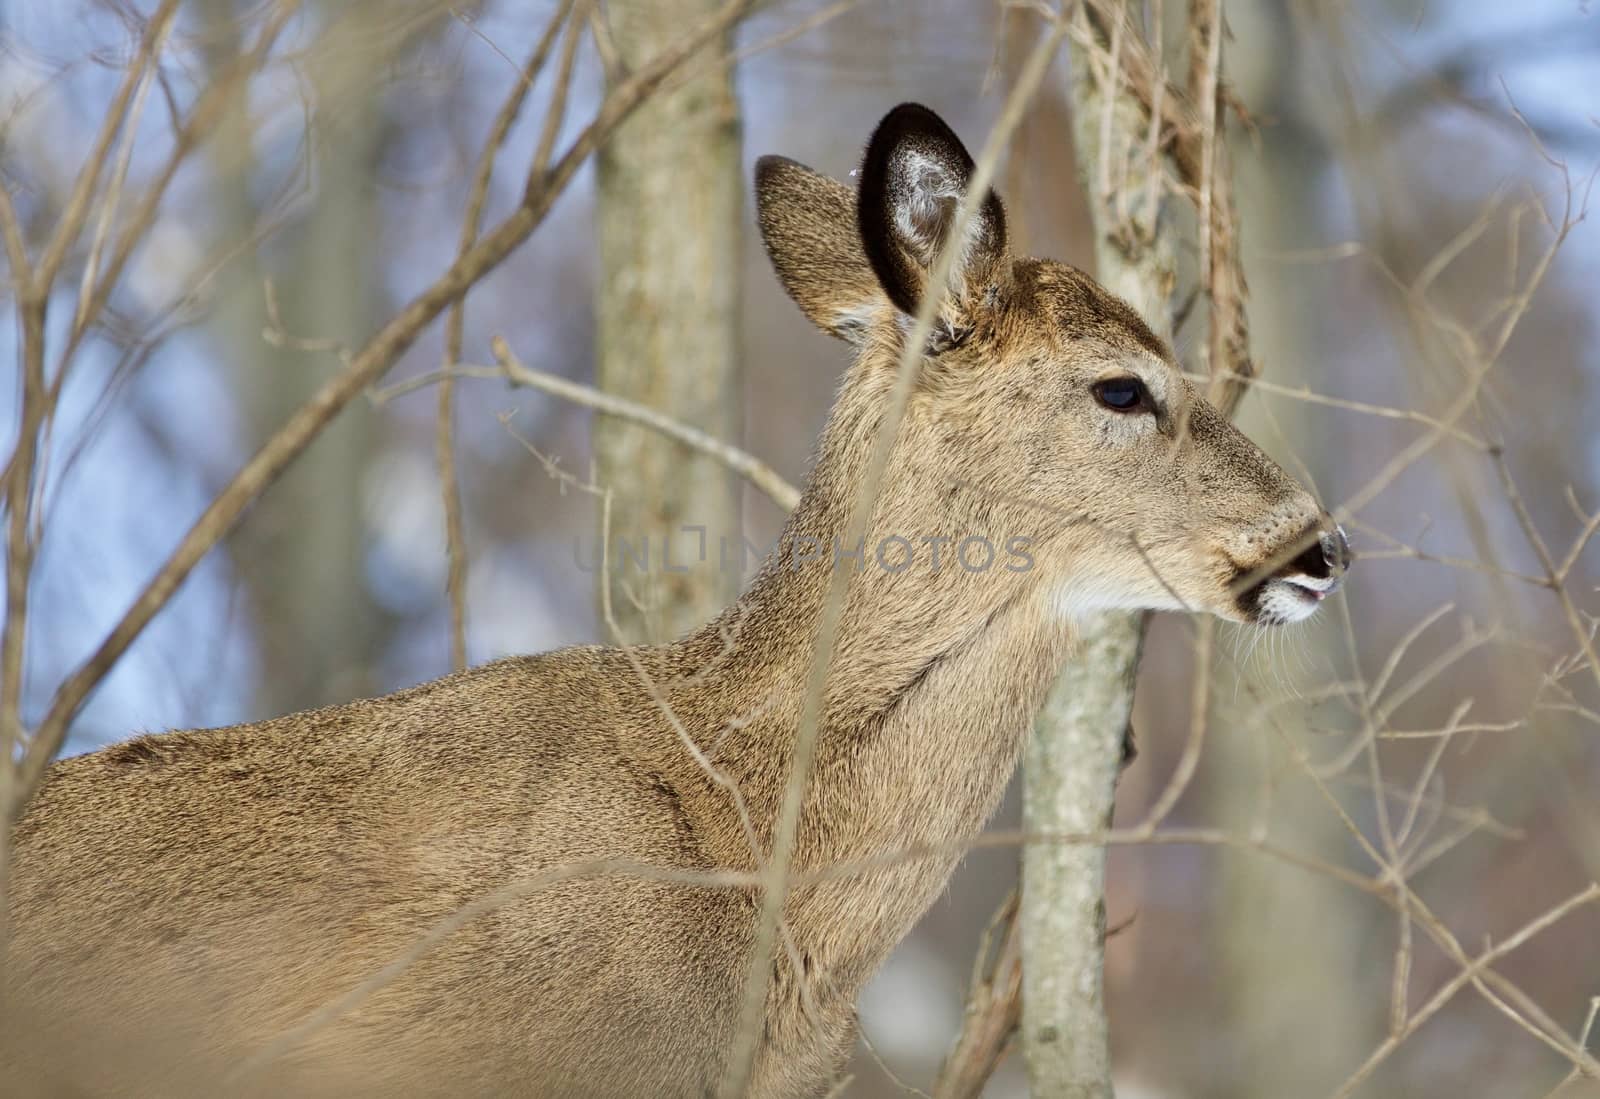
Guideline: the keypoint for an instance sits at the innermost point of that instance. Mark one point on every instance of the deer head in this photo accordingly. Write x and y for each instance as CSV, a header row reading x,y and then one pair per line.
x,y
1044,406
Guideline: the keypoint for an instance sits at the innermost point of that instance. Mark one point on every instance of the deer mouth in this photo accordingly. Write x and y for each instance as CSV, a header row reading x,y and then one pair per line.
x,y
1294,592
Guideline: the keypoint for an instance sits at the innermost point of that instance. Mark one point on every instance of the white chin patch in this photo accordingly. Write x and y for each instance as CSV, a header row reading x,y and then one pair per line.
x,y
1286,601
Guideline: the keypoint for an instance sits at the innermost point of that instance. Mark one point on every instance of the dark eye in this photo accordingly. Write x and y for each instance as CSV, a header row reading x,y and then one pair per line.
x,y
1122,394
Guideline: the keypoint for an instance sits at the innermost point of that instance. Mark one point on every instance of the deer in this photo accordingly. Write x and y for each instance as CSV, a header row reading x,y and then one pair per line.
x,y
180,901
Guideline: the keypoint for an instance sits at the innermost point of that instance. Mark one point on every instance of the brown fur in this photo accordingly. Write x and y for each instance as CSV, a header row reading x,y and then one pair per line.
x,y
180,900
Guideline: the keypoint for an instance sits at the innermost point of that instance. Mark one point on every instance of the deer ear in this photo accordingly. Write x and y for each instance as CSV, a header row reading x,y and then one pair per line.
x,y
808,224
913,180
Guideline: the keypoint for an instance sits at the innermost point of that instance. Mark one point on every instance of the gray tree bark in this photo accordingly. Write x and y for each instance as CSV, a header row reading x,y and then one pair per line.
x,y
670,226
300,553
1070,768
1069,777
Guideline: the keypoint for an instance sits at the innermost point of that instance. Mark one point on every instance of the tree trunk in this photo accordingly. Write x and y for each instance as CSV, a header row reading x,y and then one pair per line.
x,y
670,211
1069,776
300,552
1070,769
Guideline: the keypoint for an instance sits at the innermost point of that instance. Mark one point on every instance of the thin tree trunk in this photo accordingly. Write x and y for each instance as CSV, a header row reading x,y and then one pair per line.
x,y
1069,776
1070,769
670,213
300,553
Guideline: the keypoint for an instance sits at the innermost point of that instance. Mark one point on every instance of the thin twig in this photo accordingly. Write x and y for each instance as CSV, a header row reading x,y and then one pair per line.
x,y
746,465
455,323
993,1011
78,202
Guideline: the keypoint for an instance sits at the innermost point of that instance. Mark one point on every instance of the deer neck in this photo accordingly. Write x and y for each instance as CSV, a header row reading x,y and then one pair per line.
x,y
937,666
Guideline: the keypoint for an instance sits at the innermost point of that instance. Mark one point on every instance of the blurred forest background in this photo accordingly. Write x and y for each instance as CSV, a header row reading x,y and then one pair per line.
x,y
1404,173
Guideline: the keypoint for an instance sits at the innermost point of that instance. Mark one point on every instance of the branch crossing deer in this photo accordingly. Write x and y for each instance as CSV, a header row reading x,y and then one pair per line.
x,y
181,901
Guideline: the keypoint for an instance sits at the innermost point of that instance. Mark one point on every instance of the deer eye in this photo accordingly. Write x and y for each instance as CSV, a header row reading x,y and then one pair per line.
x,y
1122,394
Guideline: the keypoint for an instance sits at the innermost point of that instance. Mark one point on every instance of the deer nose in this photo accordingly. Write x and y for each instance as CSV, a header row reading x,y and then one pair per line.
x,y
1327,558
1335,549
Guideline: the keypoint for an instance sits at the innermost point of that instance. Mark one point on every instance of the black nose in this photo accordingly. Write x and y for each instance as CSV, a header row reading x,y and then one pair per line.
x,y
1335,549
1327,557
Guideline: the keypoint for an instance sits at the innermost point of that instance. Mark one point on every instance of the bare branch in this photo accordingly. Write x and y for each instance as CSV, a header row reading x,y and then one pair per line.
x,y
444,446
746,465
993,1011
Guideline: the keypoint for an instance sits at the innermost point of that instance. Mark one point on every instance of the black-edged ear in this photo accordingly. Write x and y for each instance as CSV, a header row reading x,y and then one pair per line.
x,y
808,224
915,175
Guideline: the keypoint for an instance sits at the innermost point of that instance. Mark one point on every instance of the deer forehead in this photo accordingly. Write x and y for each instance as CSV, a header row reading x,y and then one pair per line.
x,y
1056,312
